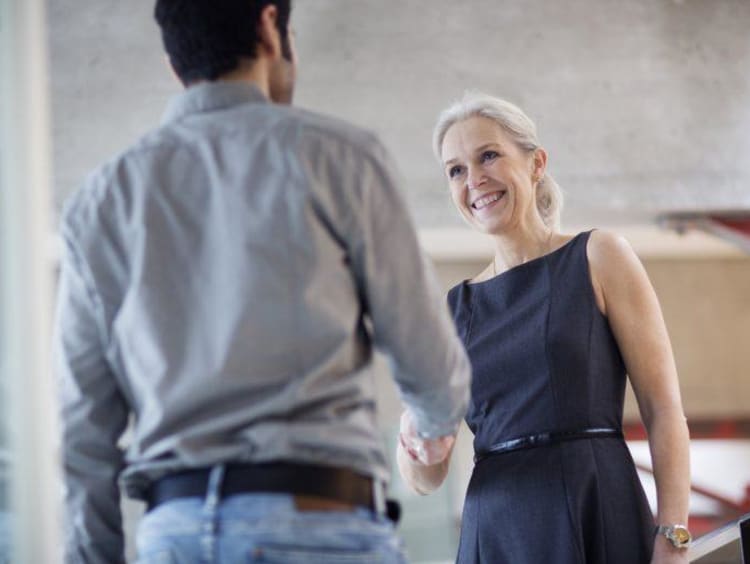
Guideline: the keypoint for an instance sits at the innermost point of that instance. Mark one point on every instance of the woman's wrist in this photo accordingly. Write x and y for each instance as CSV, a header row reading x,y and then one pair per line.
x,y
665,551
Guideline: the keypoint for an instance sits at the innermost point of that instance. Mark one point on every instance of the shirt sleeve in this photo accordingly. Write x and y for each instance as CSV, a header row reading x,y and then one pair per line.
x,y
93,417
408,309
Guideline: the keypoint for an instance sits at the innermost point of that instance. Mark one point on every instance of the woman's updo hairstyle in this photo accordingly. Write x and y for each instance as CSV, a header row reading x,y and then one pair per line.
x,y
549,198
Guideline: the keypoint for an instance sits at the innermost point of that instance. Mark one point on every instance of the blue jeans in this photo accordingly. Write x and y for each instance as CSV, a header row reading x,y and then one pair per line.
x,y
262,527
6,537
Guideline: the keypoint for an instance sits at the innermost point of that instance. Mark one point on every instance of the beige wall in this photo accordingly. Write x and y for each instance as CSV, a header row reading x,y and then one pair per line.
x,y
706,305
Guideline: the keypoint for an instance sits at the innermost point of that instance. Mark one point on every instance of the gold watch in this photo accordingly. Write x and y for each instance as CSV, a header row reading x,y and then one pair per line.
x,y
678,535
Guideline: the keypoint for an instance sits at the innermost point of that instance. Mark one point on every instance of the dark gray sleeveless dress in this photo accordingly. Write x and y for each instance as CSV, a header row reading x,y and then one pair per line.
x,y
545,361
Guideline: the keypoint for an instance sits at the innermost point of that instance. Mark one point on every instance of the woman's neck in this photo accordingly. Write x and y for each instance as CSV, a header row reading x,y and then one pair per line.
x,y
521,245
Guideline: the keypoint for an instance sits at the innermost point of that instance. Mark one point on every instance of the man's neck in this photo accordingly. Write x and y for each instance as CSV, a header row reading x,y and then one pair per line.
x,y
254,73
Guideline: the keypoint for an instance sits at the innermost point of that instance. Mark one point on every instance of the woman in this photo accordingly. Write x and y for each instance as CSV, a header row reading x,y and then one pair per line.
x,y
552,326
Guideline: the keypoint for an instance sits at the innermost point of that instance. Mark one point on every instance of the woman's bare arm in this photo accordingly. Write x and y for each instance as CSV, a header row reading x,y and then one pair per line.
x,y
625,295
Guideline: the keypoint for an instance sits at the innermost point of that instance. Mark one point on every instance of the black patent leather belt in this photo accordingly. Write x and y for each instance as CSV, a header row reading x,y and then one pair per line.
x,y
336,484
543,439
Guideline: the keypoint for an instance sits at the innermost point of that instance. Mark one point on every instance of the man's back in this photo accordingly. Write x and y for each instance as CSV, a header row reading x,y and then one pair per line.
x,y
224,282
230,264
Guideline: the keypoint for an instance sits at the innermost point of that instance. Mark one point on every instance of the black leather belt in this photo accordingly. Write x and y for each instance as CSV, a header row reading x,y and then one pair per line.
x,y
543,439
337,484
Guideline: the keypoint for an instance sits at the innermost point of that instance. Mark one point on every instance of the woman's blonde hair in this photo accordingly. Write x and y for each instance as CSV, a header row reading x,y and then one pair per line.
x,y
549,198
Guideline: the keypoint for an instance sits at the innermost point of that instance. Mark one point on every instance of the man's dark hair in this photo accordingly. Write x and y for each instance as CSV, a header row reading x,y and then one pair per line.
x,y
206,39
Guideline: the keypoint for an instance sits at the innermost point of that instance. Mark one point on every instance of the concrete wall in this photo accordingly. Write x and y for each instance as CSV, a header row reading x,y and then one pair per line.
x,y
642,104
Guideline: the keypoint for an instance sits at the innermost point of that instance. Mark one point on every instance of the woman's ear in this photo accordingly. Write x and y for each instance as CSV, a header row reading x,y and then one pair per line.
x,y
539,164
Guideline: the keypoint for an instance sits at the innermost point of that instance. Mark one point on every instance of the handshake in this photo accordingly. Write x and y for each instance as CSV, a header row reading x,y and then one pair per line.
x,y
420,450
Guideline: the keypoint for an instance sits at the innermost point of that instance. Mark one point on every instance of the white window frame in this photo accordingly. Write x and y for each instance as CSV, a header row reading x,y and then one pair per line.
x,y
27,395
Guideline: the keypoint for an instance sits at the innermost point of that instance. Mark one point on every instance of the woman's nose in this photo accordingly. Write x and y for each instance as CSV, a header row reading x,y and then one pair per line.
x,y
474,179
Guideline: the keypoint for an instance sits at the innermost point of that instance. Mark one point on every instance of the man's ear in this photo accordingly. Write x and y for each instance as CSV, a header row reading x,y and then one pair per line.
x,y
170,66
269,38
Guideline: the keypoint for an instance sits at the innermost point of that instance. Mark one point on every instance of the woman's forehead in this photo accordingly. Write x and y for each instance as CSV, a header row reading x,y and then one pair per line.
x,y
472,134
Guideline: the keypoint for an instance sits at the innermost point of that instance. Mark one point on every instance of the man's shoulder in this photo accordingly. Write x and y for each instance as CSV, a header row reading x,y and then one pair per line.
x,y
103,184
314,127
79,208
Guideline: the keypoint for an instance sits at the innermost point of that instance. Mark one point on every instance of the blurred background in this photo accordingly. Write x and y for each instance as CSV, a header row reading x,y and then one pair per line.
x,y
643,107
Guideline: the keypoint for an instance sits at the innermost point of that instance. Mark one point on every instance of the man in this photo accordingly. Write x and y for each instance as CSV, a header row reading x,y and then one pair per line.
x,y
224,282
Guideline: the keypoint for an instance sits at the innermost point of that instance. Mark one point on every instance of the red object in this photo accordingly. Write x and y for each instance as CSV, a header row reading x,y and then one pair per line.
x,y
740,225
699,429
707,429
732,226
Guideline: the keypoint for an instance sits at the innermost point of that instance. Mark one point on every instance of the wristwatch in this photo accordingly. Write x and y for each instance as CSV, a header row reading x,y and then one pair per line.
x,y
678,535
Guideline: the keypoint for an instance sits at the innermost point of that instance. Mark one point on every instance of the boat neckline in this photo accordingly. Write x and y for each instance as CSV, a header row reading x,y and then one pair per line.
x,y
519,266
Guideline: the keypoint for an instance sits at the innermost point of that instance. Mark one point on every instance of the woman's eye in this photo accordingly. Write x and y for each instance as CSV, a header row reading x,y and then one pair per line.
x,y
454,171
489,155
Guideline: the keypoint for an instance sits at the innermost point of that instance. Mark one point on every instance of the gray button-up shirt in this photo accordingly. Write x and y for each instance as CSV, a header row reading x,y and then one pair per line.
x,y
225,281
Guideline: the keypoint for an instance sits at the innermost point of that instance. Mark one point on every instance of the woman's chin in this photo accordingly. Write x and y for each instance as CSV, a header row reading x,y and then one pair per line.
x,y
490,226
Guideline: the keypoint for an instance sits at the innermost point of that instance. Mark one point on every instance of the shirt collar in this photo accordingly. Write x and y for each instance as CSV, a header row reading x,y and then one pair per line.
x,y
210,96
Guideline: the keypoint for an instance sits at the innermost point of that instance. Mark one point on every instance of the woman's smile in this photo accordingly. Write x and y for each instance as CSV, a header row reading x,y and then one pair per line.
x,y
488,200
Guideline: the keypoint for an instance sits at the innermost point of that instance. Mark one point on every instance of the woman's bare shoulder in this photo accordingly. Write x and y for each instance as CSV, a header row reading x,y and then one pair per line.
x,y
614,265
607,249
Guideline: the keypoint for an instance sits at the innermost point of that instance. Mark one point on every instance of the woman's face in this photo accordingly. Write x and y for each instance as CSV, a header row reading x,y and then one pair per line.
x,y
491,178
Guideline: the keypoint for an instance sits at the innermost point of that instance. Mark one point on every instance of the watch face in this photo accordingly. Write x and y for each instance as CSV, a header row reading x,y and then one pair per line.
x,y
681,535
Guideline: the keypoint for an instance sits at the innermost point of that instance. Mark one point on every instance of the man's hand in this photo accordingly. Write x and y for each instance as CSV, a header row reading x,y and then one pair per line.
x,y
420,450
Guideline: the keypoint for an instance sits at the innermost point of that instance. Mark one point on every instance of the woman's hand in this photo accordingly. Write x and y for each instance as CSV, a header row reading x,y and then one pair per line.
x,y
422,463
427,452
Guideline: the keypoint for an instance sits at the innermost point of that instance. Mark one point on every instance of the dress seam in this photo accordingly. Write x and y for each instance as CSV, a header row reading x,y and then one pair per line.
x,y
470,322
558,448
477,542
599,494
